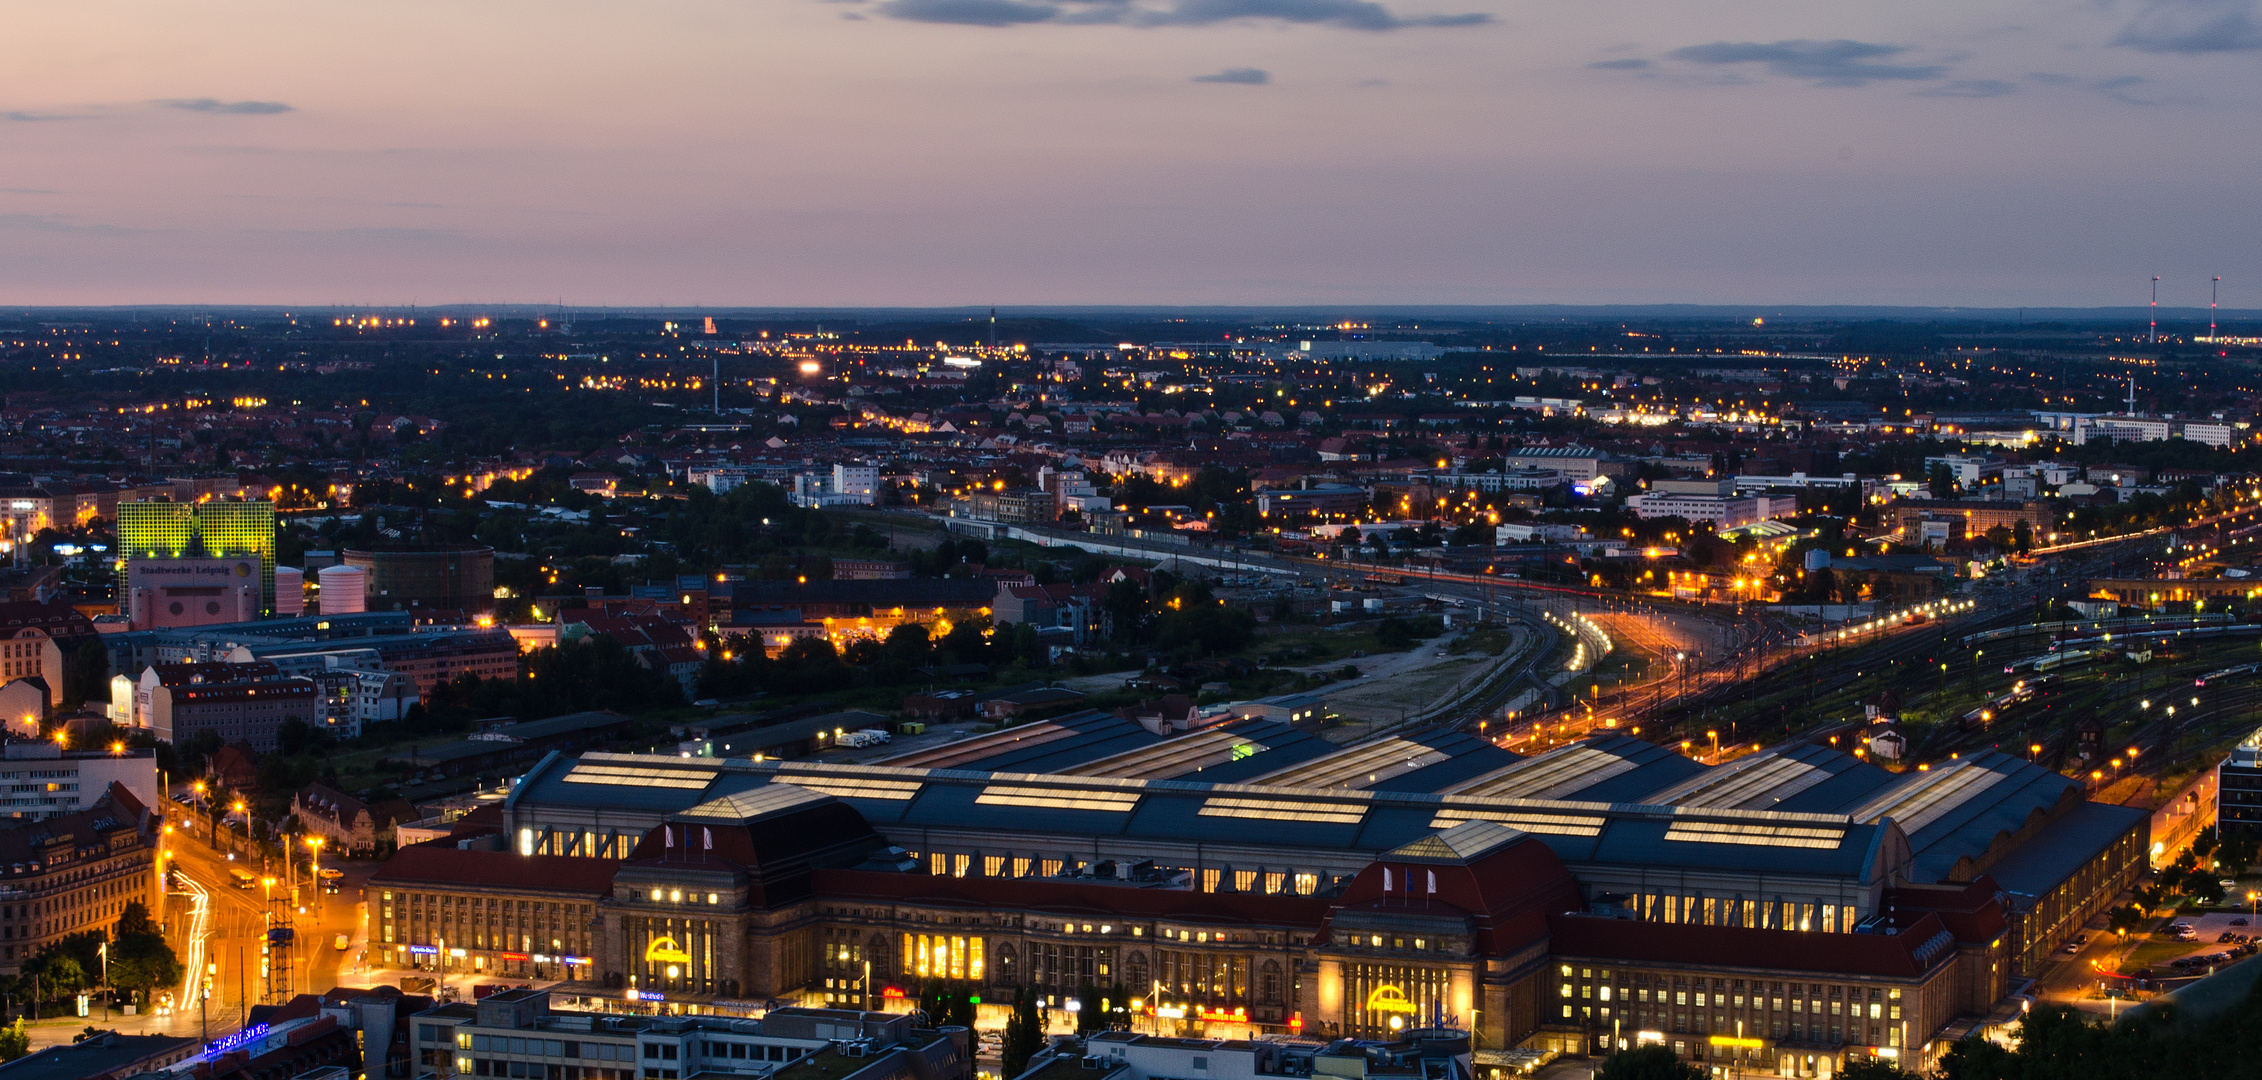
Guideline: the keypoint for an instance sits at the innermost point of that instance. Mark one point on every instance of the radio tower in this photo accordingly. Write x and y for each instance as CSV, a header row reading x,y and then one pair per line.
x,y
2153,338
2214,293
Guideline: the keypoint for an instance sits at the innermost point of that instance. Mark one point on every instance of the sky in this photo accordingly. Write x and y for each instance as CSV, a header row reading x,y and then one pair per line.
x,y
1060,152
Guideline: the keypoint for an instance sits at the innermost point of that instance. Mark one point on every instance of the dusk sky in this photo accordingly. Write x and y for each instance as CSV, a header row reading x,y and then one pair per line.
x,y
854,152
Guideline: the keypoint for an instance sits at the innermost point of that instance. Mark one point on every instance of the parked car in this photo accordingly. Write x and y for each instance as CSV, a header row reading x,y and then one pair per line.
x,y
344,942
2240,921
2071,948
2225,938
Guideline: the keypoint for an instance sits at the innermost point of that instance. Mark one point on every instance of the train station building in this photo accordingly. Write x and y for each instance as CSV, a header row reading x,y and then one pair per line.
x,y
1789,912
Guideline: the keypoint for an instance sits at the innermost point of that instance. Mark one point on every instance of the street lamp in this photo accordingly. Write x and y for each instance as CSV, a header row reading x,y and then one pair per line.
x,y
314,866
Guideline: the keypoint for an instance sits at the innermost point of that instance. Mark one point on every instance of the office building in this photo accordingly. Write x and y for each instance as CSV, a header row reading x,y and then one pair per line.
x,y
39,779
516,1034
2238,787
74,872
215,529
167,593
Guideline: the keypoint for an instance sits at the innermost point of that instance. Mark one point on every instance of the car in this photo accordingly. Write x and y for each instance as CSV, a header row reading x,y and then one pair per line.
x,y
2225,938
344,942
2071,948
331,872
2240,921
2228,883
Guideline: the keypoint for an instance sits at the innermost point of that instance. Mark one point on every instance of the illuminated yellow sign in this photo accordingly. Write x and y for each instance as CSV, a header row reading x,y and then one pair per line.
x,y
1731,1040
664,950
1388,998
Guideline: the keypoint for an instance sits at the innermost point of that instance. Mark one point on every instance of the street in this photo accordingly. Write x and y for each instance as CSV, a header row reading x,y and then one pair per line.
x,y
216,929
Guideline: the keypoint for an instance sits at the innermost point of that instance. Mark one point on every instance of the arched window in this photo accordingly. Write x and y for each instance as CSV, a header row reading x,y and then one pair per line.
x,y
1007,971
1135,974
1268,983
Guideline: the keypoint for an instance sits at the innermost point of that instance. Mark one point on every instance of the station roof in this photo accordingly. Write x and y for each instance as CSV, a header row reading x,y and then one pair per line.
x,y
1229,752
1798,778
1960,809
1052,745
1614,768
2037,866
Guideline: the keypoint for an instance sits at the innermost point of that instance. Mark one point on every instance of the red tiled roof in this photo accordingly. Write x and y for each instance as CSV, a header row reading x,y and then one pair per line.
x,y
431,865
1509,892
1973,912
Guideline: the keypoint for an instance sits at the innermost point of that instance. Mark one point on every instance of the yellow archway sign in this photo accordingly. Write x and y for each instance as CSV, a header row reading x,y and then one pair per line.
x,y
664,950
1387,998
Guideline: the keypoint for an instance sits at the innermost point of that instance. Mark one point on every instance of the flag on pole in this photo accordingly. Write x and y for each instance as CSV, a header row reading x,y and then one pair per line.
x,y
710,845
1386,879
1433,883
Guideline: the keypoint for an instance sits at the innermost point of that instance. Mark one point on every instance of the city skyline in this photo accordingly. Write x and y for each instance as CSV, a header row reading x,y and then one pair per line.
x,y
960,152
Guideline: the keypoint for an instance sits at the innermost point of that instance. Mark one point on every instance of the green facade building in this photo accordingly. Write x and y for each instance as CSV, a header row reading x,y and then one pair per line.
x,y
214,529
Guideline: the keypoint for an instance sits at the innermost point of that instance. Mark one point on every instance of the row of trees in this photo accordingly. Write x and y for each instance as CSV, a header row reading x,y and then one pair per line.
x,y
139,963
2054,1043
1656,1061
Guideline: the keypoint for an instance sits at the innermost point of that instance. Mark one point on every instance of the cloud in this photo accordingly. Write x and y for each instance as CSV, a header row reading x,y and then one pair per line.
x,y
1970,88
969,12
1353,14
2119,88
231,108
1349,14
2189,27
51,224
35,118
2051,78
1631,63
28,191
1238,77
1828,63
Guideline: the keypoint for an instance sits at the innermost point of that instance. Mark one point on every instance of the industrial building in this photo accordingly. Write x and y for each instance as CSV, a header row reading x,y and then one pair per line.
x,y
424,577
1246,878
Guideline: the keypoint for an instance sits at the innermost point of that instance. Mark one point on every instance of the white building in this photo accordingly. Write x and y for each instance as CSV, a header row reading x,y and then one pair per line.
x,y
1721,512
721,481
1528,531
861,482
847,485
1576,462
40,780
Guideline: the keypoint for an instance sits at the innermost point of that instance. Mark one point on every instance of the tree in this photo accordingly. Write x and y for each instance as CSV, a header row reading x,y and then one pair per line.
x,y
1653,1062
1024,1033
1091,1009
140,960
15,1041
1942,482
2125,919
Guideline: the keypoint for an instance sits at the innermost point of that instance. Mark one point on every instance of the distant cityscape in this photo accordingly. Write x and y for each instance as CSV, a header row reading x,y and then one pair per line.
x,y
1139,694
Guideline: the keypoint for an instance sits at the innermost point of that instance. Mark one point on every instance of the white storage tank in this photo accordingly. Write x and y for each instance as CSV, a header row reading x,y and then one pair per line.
x,y
290,591
345,589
